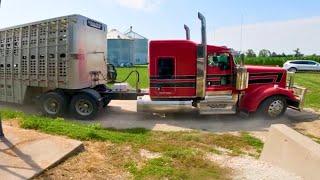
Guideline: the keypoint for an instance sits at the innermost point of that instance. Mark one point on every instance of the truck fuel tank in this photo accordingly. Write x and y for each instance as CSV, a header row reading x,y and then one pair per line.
x,y
146,104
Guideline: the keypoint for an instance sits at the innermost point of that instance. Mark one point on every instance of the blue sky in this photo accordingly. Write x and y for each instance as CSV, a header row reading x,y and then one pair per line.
x,y
164,19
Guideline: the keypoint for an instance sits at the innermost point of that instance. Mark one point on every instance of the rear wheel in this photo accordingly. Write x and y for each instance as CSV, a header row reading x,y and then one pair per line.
x,y
292,69
84,107
53,104
273,107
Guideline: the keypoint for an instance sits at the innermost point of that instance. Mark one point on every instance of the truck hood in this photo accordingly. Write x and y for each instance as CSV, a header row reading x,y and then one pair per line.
x,y
264,69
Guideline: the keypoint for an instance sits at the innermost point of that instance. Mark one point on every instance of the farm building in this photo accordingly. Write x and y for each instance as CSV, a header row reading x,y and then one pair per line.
x,y
126,48
140,47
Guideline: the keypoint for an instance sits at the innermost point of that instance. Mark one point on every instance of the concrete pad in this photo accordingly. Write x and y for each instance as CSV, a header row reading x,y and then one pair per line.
x,y
25,153
292,151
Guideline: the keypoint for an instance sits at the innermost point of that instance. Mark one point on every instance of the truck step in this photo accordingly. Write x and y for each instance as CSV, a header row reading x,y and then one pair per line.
x,y
220,104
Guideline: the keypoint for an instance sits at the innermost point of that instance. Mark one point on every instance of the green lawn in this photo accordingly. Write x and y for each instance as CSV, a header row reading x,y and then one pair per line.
x,y
311,81
143,71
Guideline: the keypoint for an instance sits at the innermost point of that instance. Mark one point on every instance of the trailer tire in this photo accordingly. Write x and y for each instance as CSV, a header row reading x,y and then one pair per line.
x,y
84,106
273,107
53,104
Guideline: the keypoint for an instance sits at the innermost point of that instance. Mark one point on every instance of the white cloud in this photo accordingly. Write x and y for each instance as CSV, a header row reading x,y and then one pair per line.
x,y
275,36
145,5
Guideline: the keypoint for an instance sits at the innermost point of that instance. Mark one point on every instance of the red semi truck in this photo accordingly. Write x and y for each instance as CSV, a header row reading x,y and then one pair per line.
x,y
61,62
185,75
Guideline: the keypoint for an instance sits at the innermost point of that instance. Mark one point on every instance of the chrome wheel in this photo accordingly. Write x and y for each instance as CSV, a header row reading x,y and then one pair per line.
x,y
276,108
84,107
51,106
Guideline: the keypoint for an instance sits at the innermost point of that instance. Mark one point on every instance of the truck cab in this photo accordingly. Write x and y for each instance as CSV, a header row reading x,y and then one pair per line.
x,y
185,75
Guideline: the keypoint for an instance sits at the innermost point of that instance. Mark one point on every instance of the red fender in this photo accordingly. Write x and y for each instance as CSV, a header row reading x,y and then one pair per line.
x,y
254,96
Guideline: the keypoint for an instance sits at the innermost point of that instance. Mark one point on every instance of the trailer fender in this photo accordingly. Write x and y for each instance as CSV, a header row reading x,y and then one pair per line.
x,y
251,100
92,93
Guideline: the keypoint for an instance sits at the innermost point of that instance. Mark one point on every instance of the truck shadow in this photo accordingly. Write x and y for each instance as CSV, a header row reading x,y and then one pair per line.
x,y
123,115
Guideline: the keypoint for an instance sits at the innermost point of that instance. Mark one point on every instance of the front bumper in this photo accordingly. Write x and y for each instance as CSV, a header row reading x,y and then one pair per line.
x,y
299,93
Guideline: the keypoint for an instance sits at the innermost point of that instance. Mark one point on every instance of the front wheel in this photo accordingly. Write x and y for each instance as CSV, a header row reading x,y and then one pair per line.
x,y
273,107
84,107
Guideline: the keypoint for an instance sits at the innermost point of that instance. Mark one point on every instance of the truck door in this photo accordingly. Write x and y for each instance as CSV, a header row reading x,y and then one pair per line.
x,y
219,72
165,83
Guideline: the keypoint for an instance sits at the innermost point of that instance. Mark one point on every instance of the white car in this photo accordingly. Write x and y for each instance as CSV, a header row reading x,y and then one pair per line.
x,y
301,65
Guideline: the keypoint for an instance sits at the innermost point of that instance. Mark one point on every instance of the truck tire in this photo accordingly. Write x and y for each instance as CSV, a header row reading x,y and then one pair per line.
x,y
84,106
53,104
273,107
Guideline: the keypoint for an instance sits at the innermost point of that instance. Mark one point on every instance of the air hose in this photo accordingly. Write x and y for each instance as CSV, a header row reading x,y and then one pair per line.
x,y
129,75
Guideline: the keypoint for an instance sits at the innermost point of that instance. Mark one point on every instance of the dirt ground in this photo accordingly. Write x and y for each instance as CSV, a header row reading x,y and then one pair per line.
x,y
96,162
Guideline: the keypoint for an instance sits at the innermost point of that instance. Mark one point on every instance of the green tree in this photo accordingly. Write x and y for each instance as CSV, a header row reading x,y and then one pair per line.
x,y
297,52
264,53
251,53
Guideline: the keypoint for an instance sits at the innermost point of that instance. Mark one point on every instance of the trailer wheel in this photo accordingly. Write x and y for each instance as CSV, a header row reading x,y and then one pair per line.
x,y
273,107
84,107
53,104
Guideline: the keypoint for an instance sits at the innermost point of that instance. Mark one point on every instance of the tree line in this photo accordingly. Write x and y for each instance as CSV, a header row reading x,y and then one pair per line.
x,y
268,53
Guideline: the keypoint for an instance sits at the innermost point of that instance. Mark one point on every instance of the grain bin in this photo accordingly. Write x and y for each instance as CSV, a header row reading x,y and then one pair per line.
x,y
140,47
120,48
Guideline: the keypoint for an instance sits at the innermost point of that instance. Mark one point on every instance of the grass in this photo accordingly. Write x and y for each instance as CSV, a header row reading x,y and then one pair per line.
x,y
312,82
182,153
143,71
316,139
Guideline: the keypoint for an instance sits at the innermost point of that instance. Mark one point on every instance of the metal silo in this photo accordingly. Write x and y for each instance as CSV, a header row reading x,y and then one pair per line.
x,y
140,47
120,48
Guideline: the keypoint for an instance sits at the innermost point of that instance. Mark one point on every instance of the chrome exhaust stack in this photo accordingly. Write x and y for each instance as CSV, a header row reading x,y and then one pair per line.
x,y
187,32
203,29
202,59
